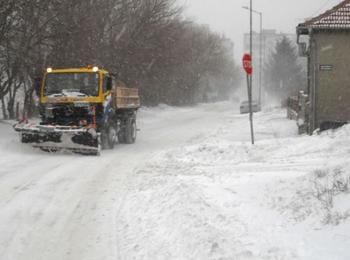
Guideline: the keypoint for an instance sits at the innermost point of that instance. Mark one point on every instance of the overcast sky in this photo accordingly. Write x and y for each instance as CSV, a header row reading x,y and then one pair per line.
x,y
229,17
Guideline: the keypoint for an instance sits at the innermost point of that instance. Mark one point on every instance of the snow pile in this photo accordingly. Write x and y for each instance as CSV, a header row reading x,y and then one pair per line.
x,y
324,191
219,197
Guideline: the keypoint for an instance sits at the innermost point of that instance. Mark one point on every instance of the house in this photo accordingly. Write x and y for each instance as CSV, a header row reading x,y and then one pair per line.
x,y
325,42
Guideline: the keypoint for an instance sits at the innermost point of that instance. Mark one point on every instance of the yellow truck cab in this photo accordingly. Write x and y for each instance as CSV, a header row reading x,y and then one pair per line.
x,y
82,109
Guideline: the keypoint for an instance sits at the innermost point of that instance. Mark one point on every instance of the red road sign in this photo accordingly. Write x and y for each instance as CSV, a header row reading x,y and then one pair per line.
x,y
247,63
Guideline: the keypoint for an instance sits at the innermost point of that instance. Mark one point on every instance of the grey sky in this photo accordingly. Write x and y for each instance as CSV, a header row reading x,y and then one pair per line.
x,y
227,16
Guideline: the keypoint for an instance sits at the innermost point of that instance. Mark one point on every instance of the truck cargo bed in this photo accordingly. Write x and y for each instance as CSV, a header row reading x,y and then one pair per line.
x,y
126,98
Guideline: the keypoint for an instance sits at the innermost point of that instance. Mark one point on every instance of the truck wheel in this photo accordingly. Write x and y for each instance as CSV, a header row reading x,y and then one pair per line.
x,y
121,136
108,137
130,131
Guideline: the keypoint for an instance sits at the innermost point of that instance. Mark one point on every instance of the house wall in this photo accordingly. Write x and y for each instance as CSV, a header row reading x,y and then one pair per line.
x,y
331,83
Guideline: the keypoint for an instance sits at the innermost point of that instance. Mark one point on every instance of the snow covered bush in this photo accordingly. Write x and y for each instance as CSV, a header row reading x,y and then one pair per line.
x,y
320,197
330,185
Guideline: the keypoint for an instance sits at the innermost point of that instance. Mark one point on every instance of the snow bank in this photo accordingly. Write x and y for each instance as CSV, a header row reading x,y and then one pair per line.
x,y
219,197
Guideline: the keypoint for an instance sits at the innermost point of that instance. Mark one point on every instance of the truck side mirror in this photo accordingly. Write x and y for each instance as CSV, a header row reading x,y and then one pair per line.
x,y
37,86
109,83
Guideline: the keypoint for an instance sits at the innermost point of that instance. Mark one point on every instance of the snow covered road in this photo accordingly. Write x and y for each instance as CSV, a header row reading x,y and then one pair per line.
x,y
191,187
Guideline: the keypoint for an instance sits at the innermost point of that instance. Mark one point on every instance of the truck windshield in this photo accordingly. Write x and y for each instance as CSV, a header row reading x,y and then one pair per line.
x,y
71,84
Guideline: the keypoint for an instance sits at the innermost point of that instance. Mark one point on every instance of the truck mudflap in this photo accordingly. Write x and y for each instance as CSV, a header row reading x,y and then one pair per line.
x,y
50,138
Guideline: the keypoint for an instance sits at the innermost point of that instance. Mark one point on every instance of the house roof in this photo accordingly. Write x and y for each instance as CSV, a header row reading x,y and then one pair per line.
x,y
336,18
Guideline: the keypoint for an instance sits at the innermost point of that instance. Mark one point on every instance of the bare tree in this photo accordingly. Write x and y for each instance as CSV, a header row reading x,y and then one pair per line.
x,y
146,42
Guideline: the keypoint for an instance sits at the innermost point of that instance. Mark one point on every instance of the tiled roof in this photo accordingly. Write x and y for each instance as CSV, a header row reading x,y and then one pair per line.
x,y
336,18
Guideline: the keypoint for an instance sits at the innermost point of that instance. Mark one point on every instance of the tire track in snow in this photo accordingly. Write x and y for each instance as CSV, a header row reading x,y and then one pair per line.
x,y
50,185
44,170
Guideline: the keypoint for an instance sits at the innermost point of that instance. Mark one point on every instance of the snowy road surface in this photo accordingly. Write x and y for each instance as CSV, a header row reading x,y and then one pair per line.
x,y
191,187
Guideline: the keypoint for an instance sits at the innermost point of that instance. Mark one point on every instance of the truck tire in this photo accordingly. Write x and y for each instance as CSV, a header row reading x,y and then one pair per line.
x,y
108,137
130,131
121,135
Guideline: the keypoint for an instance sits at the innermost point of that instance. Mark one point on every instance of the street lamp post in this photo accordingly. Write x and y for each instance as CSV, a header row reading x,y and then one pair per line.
x,y
250,87
260,48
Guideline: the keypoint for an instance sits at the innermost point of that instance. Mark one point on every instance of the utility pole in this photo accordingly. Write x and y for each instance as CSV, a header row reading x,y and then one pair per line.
x,y
260,50
260,59
248,67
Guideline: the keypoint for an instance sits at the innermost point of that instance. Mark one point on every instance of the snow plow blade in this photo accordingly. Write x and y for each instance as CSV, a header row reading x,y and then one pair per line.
x,y
48,138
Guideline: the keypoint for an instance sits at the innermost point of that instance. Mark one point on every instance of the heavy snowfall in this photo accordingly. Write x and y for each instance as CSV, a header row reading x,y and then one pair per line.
x,y
191,187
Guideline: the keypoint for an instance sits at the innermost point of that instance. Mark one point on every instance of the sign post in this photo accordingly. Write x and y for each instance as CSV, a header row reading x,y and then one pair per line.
x,y
247,65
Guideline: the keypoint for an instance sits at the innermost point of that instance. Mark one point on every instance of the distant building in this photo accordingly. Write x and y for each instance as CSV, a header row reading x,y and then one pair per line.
x,y
270,37
325,42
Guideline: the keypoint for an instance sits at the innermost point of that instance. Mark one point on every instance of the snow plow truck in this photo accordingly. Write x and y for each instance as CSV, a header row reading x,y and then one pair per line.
x,y
82,110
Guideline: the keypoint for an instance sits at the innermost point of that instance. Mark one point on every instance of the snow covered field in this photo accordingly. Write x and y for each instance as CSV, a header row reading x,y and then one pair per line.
x,y
191,187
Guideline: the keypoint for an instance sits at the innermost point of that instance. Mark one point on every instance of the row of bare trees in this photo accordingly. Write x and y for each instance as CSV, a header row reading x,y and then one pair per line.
x,y
147,42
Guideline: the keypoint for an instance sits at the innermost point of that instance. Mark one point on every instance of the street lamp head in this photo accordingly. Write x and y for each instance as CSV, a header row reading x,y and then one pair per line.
x,y
254,11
